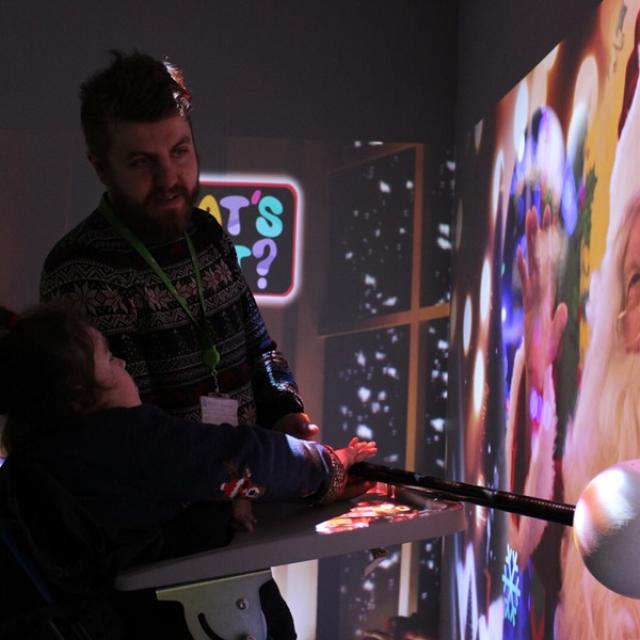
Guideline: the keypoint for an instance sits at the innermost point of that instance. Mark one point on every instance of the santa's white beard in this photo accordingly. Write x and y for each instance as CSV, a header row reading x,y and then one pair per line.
x,y
606,430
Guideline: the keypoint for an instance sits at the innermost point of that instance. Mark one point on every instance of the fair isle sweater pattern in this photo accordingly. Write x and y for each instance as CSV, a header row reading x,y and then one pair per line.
x,y
95,271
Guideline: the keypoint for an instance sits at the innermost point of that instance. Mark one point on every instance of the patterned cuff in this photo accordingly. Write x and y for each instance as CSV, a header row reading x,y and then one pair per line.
x,y
338,479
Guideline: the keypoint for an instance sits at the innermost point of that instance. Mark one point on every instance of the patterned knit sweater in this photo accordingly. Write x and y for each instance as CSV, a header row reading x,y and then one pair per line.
x,y
94,270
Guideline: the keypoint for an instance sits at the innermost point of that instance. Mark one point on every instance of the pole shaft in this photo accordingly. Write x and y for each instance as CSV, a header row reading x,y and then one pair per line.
x,y
549,510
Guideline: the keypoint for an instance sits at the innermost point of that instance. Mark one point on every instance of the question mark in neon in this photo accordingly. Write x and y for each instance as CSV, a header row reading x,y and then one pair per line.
x,y
259,248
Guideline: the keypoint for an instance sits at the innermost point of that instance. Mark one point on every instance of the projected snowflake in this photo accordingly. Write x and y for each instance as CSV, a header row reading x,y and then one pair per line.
x,y
366,389
370,253
511,585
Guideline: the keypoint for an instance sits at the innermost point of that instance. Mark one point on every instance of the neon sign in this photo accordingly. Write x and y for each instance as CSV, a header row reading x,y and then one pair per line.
x,y
262,215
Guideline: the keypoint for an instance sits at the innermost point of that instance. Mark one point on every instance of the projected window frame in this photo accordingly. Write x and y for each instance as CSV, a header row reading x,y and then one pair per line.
x,y
427,303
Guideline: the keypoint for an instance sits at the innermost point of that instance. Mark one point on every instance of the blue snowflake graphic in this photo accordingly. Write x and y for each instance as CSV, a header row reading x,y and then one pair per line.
x,y
511,585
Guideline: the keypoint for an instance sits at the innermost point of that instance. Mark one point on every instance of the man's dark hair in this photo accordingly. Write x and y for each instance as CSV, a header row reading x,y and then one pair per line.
x,y
133,88
47,375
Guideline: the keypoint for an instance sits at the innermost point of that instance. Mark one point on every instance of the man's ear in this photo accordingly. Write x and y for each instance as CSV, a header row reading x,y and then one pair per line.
x,y
98,166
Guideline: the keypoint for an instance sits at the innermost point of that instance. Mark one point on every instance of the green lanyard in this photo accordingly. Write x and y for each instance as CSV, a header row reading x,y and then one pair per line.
x,y
210,354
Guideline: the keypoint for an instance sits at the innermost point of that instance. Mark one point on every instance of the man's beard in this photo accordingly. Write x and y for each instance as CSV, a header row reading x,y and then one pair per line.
x,y
150,224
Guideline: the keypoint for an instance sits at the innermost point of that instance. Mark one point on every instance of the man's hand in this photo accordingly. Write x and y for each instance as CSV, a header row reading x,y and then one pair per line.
x,y
298,425
543,327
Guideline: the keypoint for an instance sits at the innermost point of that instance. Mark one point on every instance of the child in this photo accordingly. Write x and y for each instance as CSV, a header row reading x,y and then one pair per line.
x,y
74,413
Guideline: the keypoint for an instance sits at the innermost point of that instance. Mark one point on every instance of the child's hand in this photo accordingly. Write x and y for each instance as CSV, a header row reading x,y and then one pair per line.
x,y
356,451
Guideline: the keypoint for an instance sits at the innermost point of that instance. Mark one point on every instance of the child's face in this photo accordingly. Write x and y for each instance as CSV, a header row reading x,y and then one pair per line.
x,y
120,389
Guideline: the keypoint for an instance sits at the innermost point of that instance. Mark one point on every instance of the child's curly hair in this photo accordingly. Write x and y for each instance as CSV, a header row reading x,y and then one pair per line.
x,y
47,374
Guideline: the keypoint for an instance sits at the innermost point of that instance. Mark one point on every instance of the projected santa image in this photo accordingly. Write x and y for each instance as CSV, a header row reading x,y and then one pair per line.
x,y
546,329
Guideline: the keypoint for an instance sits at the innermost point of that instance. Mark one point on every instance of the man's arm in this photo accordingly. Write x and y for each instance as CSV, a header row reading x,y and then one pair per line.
x,y
278,401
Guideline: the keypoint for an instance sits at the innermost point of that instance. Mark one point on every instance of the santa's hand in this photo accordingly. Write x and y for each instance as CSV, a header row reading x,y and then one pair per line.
x,y
298,425
543,327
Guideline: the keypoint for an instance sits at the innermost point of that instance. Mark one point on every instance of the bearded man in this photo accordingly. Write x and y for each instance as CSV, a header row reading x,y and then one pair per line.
x,y
158,276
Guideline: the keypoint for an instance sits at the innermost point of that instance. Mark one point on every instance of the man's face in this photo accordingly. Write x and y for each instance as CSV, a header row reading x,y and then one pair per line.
x,y
151,175
631,280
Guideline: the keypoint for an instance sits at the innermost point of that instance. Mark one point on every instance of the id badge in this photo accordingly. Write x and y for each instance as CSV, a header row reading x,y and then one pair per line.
x,y
216,409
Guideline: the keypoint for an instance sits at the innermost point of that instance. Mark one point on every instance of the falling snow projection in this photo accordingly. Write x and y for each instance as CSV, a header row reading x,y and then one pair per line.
x,y
437,230
430,454
430,451
366,390
365,395
371,221
351,603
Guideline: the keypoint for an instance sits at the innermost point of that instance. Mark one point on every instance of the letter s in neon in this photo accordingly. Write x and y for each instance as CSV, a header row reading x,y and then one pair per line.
x,y
270,224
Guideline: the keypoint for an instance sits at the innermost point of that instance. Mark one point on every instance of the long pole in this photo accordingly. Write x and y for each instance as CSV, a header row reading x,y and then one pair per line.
x,y
548,510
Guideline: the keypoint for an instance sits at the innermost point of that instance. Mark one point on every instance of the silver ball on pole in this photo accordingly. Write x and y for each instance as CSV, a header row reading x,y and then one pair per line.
x,y
606,527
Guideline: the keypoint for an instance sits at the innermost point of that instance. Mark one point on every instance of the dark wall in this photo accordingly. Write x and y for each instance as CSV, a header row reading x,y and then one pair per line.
x,y
500,41
281,68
